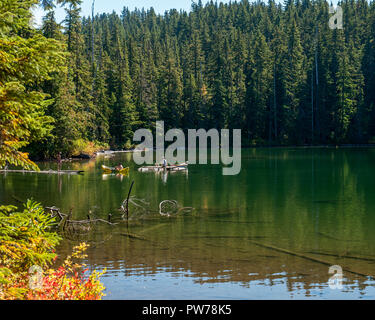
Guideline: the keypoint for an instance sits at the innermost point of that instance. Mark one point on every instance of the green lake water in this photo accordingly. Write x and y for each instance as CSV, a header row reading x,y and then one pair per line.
x,y
270,232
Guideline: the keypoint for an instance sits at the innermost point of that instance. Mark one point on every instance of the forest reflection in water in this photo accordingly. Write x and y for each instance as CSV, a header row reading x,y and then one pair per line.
x,y
316,202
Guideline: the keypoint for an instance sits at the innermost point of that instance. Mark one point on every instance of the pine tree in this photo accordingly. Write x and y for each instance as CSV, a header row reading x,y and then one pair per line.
x,y
79,70
50,28
170,89
293,77
259,88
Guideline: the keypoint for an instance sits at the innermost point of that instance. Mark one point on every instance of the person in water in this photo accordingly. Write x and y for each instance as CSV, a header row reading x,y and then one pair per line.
x,y
119,167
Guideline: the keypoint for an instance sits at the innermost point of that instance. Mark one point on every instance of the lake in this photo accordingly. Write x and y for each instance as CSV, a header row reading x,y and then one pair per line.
x,y
271,232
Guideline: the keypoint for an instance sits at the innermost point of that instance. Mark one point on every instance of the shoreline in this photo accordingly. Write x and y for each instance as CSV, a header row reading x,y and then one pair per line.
x,y
323,146
328,146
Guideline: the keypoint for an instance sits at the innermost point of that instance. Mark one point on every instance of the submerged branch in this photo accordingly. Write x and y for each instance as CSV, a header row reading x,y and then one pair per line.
x,y
300,255
342,256
133,236
66,224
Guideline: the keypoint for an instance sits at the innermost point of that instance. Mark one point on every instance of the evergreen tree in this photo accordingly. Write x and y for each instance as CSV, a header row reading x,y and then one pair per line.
x,y
27,59
276,71
294,75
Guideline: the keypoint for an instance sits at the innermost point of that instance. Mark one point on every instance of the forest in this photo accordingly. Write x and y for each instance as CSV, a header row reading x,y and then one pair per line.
x,y
277,71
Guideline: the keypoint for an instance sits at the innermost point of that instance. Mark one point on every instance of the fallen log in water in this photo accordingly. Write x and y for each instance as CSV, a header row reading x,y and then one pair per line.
x,y
344,256
227,237
219,211
157,226
234,221
300,255
133,236
45,171
333,238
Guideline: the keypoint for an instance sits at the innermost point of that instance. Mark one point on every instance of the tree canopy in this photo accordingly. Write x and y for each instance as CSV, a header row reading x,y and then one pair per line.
x,y
276,71
27,59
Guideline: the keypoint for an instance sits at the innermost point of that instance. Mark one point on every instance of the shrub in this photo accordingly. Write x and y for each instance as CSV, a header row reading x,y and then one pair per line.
x,y
128,145
27,240
81,146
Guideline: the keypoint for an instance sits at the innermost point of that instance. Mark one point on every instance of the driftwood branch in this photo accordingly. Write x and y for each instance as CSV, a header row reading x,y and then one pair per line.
x,y
75,225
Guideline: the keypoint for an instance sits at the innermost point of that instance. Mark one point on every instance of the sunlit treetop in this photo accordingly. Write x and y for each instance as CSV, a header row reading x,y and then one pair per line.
x,y
51,4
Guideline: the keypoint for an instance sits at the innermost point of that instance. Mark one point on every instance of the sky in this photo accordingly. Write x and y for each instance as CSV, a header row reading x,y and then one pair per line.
x,y
107,6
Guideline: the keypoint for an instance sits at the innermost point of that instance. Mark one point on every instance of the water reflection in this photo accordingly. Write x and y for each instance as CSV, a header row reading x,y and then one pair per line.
x,y
317,203
206,263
